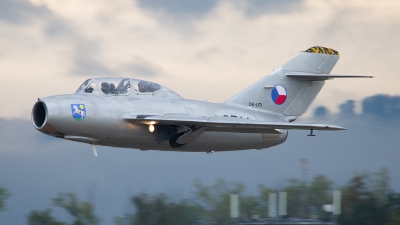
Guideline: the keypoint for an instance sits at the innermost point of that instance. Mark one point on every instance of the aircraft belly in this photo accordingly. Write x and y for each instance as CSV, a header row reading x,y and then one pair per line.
x,y
226,141
140,138
202,144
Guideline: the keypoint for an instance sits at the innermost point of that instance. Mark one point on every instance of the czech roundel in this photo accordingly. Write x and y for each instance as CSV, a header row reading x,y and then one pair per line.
x,y
279,94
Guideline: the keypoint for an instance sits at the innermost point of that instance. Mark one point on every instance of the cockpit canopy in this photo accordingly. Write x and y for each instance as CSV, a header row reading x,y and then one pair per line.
x,y
107,86
120,86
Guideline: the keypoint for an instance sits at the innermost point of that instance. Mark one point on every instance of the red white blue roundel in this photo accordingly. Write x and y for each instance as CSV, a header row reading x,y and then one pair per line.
x,y
279,94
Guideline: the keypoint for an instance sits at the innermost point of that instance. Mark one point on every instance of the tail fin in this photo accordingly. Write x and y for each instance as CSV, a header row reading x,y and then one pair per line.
x,y
292,88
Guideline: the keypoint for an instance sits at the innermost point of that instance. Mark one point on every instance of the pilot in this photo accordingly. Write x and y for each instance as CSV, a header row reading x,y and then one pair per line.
x,y
105,87
88,90
112,88
143,86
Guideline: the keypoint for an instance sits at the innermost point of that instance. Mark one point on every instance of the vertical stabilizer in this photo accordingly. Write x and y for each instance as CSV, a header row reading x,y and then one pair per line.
x,y
279,93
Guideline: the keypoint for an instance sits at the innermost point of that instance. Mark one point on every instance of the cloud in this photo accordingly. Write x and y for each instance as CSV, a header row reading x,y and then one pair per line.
x,y
20,11
56,28
87,62
90,67
179,8
141,68
254,8
214,41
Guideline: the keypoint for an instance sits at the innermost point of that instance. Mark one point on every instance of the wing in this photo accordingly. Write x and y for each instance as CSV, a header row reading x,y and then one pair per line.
x,y
223,124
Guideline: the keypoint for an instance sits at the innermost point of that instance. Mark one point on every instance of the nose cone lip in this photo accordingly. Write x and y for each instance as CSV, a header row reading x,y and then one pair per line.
x,y
39,115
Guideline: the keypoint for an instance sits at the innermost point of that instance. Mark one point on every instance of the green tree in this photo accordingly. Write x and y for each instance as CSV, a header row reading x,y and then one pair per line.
x,y
263,198
251,205
360,205
159,209
82,213
296,191
303,198
394,208
4,194
215,199
379,184
320,193
43,218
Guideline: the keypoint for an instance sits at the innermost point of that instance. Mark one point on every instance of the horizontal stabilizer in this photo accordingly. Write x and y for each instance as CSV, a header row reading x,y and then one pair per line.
x,y
322,77
224,124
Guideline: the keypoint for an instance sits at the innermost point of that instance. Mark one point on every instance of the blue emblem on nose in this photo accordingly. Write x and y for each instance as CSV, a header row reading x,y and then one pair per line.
x,y
78,111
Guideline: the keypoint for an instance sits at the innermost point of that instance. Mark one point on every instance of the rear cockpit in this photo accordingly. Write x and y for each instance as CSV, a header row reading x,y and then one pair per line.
x,y
126,87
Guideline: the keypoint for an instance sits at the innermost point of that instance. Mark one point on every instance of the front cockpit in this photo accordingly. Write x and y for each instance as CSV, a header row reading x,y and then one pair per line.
x,y
106,86
125,87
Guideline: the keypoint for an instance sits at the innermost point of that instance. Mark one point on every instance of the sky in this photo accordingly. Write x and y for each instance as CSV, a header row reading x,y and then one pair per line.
x,y
204,50
208,50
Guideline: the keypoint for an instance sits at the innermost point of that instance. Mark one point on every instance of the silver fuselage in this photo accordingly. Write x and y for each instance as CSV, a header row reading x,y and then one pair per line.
x,y
103,125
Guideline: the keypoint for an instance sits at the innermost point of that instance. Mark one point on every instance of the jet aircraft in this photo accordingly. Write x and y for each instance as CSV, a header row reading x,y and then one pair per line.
x,y
139,114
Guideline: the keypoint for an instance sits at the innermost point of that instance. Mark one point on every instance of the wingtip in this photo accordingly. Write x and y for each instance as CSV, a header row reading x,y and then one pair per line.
x,y
333,127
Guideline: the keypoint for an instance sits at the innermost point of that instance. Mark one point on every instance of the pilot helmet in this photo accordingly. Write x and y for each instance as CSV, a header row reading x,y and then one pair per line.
x,y
105,87
143,86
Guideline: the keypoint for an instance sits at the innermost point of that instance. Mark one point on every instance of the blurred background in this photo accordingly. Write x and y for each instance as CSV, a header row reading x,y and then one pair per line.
x,y
204,50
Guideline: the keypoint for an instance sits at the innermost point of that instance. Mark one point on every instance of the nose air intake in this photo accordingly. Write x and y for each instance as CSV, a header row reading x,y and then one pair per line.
x,y
39,115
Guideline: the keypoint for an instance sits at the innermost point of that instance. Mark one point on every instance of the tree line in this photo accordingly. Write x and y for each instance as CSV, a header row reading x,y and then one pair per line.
x,y
366,199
